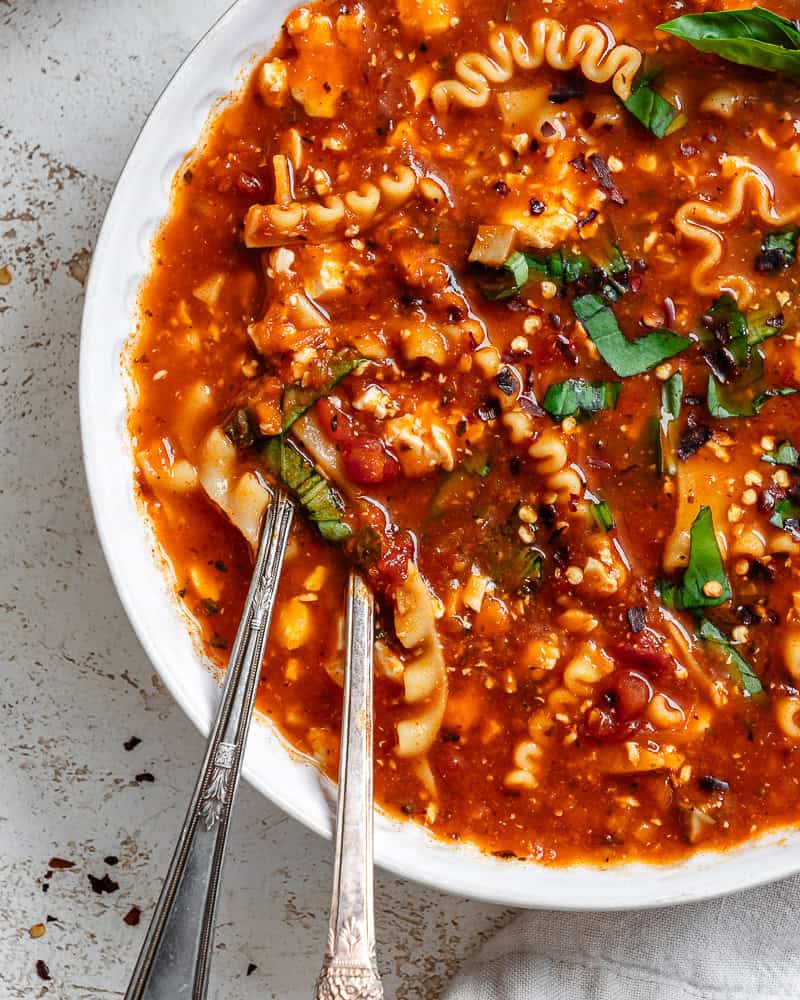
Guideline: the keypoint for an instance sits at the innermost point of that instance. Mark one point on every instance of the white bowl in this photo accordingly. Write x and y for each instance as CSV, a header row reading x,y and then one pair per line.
x,y
121,259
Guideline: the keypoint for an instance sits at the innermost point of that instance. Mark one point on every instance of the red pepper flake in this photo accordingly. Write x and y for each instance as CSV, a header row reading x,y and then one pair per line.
x,y
132,743
42,971
590,216
579,163
604,179
145,776
104,884
133,916
60,863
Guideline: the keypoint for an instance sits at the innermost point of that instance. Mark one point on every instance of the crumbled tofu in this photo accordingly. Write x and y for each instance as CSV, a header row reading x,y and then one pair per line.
x,y
376,401
273,82
420,446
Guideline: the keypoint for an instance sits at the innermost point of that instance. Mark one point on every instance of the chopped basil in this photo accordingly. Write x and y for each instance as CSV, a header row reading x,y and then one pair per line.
x,y
322,504
754,37
298,399
787,516
704,572
778,251
625,357
726,401
560,266
668,426
602,514
708,632
518,566
651,109
459,486
563,267
784,454
576,395
511,278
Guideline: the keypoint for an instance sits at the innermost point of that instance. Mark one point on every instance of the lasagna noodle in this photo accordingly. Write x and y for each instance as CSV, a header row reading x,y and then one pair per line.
x,y
588,47
699,222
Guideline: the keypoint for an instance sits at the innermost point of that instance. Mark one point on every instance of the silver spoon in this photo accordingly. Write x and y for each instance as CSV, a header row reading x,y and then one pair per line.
x,y
176,955
349,969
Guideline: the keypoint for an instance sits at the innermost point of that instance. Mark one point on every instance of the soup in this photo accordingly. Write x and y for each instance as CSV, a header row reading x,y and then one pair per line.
x,y
506,293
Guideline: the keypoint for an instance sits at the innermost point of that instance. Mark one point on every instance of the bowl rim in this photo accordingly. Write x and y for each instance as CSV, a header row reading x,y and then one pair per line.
x,y
271,765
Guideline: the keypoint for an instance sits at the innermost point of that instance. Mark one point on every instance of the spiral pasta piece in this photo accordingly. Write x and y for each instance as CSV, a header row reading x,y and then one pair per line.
x,y
333,217
588,47
549,454
699,221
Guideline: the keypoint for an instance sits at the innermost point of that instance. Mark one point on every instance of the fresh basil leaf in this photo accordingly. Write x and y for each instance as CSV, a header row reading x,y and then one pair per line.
x,y
512,277
762,325
651,109
745,675
787,517
576,395
726,401
705,565
754,37
561,266
784,454
298,473
298,399
516,566
459,486
602,514
778,251
728,324
625,357
668,426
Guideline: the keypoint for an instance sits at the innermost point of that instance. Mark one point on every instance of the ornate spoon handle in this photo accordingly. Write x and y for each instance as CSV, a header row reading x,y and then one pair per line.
x,y
176,955
349,969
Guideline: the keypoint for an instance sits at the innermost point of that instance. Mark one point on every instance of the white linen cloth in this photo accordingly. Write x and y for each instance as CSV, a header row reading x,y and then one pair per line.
x,y
744,947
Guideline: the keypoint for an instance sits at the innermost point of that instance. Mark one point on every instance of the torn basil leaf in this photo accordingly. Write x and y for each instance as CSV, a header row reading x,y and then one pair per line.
x,y
668,426
736,663
728,401
602,514
298,473
705,582
784,454
458,487
651,109
778,251
623,356
576,395
754,37
787,517
509,281
298,399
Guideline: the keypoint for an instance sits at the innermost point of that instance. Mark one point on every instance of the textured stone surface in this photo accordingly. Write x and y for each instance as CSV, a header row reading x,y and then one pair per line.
x,y
79,76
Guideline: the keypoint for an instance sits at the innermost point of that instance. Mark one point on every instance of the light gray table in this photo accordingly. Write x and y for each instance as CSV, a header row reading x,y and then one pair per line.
x,y
78,79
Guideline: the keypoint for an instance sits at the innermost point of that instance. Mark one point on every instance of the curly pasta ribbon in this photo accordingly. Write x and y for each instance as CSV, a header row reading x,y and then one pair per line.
x,y
335,216
589,47
697,221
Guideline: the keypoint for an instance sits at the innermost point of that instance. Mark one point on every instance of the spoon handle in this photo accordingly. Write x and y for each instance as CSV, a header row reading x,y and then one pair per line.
x,y
349,969
176,955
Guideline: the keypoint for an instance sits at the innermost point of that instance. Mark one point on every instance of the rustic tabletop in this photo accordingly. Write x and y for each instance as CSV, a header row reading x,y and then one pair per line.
x,y
97,759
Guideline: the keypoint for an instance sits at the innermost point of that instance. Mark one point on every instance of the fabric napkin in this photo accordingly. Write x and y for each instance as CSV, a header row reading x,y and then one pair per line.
x,y
744,947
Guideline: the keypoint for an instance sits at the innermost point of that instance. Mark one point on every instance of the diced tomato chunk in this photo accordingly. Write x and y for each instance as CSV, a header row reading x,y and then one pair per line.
x,y
368,462
623,698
